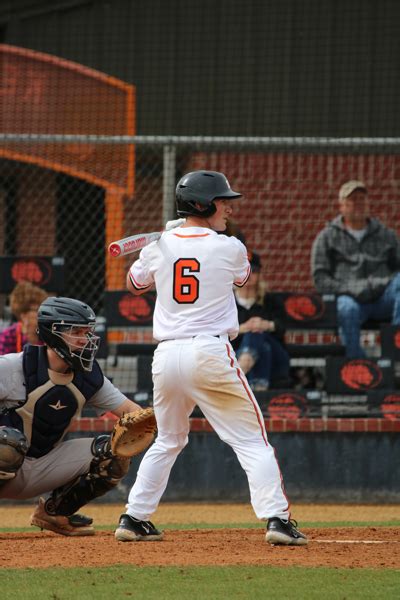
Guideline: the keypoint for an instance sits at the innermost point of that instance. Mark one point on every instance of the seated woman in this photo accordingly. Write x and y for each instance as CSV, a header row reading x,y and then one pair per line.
x,y
25,300
260,346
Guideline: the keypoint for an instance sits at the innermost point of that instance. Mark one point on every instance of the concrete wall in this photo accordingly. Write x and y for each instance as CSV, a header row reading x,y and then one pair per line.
x,y
320,467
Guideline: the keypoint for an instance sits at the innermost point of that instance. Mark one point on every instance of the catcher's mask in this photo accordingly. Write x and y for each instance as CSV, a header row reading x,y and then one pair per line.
x,y
67,326
196,192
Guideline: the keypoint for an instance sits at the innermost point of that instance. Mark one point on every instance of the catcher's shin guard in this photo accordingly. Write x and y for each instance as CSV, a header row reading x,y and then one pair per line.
x,y
106,471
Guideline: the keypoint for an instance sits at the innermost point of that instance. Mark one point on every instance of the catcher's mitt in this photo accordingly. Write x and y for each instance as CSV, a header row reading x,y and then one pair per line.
x,y
133,433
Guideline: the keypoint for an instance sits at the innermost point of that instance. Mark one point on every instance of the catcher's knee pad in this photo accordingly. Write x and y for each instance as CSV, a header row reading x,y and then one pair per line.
x,y
13,448
105,472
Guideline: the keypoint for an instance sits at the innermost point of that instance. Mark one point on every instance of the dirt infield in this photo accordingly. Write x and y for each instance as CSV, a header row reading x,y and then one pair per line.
x,y
333,547
177,512
347,547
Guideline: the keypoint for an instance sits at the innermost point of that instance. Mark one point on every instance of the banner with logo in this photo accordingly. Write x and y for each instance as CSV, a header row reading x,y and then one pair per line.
x,y
290,404
384,404
358,376
46,272
390,341
122,309
307,310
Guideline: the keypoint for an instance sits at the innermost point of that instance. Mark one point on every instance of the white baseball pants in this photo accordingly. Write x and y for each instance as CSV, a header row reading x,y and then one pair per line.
x,y
203,371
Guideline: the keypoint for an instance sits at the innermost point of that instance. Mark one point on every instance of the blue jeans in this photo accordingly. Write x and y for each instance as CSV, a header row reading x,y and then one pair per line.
x,y
272,360
351,315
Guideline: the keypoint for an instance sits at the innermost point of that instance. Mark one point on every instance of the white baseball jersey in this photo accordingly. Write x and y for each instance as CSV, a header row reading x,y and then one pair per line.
x,y
194,270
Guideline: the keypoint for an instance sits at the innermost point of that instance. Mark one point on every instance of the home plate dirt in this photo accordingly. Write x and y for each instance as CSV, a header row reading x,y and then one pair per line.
x,y
333,547
205,547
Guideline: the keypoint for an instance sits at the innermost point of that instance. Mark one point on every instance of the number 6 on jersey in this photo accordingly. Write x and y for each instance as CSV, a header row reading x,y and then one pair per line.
x,y
186,285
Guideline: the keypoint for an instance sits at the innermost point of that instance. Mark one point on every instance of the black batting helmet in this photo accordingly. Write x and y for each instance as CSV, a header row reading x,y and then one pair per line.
x,y
56,316
202,188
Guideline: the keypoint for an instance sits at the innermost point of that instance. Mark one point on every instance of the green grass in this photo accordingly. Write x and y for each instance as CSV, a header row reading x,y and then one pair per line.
x,y
241,525
198,583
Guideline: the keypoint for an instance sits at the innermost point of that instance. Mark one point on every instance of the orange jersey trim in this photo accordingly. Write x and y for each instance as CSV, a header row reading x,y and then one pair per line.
x,y
195,235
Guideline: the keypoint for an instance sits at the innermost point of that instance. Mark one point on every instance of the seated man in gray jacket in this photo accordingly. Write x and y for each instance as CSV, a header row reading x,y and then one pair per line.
x,y
357,258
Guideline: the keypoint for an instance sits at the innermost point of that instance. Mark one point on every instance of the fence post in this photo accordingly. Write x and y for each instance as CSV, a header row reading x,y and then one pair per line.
x,y
169,169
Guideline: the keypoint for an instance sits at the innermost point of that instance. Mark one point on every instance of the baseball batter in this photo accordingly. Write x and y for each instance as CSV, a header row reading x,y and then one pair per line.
x,y
194,270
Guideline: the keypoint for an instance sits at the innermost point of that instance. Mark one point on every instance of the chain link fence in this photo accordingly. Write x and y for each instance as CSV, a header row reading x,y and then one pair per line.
x,y
289,188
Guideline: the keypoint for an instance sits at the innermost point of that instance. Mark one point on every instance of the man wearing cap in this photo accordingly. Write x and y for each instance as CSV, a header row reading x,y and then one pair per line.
x,y
357,258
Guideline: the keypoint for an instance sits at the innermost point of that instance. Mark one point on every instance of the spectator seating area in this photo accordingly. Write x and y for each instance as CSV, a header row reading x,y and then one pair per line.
x,y
325,383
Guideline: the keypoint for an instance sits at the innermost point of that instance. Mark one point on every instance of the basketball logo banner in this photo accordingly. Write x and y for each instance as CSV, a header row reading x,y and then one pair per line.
x,y
390,340
307,310
135,309
361,374
390,407
44,271
357,376
304,307
289,404
384,404
124,310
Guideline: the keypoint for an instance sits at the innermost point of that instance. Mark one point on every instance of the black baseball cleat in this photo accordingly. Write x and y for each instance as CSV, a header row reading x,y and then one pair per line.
x,y
133,530
284,532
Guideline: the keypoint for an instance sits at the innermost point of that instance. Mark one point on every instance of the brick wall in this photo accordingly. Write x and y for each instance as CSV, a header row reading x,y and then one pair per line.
x,y
304,425
290,197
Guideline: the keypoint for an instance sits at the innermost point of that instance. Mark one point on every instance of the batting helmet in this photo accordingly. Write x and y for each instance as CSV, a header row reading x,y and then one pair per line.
x,y
56,316
202,188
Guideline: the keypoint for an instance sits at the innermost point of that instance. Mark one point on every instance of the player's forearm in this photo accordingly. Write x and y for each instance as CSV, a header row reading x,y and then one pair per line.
x,y
125,407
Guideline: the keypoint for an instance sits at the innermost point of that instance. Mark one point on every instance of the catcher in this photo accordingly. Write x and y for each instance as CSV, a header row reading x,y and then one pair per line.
x,y
44,388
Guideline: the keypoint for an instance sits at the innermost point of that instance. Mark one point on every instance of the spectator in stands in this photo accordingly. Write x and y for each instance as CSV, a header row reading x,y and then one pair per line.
x,y
260,347
356,257
25,300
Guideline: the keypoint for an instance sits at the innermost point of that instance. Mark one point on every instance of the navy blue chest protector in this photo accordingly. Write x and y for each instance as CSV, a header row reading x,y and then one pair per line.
x,y
51,405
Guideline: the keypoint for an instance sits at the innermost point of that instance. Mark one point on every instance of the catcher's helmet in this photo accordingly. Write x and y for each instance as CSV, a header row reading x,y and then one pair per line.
x,y
202,187
58,316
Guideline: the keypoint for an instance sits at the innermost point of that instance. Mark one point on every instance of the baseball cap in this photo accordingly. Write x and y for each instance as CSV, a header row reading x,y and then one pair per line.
x,y
349,187
255,261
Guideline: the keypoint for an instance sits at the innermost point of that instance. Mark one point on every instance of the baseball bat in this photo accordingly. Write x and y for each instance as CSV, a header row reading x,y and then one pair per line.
x,y
133,243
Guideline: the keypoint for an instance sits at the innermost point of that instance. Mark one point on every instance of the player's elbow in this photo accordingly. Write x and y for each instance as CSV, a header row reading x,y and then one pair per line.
x,y
131,288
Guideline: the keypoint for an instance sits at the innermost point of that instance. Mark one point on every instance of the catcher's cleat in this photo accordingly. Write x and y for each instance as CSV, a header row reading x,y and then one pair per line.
x,y
74,525
285,533
133,530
